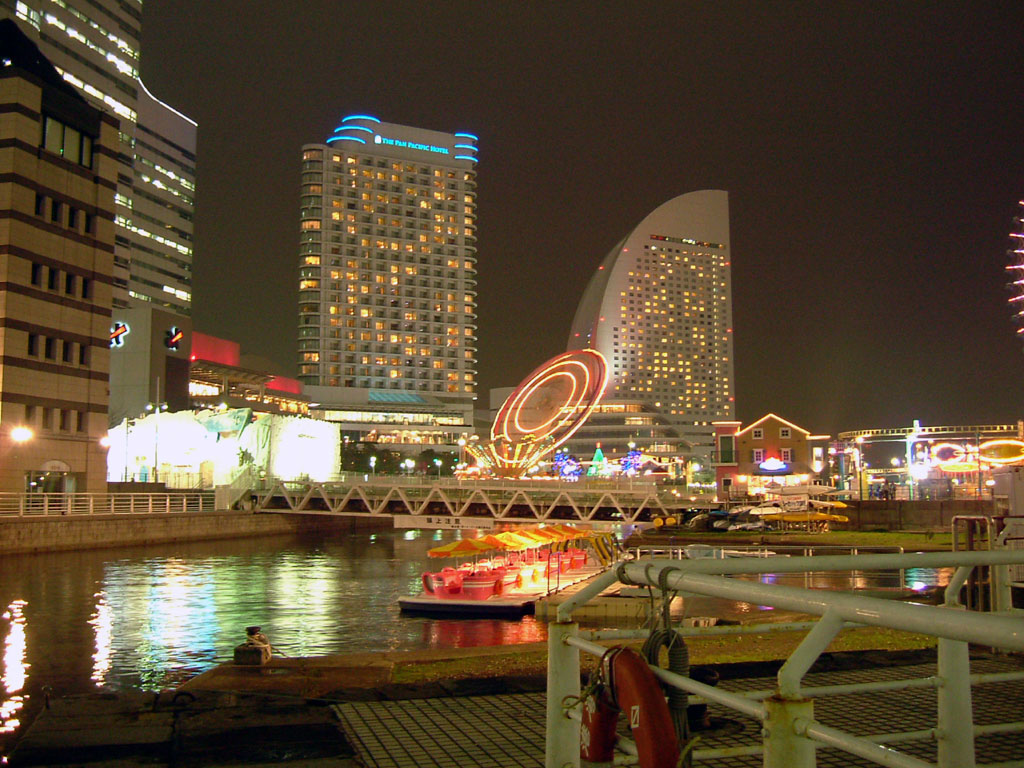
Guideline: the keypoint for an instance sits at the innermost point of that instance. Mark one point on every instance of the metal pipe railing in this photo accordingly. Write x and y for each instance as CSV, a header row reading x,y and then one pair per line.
x,y
786,713
79,504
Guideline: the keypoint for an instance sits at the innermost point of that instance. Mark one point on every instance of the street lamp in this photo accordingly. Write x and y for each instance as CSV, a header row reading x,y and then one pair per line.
x,y
409,464
156,410
373,465
860,465
437,463
20,436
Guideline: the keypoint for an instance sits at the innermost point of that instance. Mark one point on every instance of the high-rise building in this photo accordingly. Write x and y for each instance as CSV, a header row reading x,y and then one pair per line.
x,y
659,309
58,172
94,45
387,278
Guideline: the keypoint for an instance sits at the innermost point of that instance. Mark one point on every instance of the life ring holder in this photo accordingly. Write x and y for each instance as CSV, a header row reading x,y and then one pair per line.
x,y
428,582
499,587
628,685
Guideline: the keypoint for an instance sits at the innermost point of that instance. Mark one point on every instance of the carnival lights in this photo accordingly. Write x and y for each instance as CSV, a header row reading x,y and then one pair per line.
x,y
1016,269
543,412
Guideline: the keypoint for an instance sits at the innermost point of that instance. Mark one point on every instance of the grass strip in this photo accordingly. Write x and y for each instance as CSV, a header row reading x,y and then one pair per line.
x,y
714,649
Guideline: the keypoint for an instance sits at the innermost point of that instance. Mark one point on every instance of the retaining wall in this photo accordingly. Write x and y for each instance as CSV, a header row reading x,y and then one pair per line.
x,y
920,515
50,534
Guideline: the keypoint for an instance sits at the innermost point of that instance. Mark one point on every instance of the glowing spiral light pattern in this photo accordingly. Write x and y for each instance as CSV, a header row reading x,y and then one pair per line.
x,y
543,412
967,457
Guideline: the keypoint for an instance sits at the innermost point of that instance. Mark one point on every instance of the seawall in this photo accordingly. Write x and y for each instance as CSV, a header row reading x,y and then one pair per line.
x,y
20,535
902,515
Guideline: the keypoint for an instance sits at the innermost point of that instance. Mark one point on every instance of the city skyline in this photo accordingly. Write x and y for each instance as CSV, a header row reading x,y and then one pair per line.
x,y
867,156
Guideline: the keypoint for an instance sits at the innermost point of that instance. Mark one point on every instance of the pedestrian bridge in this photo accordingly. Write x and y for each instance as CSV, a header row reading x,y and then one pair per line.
x,y
474,503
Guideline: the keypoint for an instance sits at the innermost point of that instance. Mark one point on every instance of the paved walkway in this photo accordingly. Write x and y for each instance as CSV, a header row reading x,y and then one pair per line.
x,y
508,730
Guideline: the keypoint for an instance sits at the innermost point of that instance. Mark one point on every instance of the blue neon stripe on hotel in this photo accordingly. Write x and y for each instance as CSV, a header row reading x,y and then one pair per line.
x,y
465,146
359,117
465,135
465,157
345,138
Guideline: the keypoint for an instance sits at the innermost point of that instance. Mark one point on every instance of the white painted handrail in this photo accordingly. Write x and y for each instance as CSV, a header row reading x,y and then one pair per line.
x,y
789,728
78,504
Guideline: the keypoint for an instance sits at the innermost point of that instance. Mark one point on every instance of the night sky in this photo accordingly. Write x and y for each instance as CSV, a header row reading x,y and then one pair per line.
x,y
871,151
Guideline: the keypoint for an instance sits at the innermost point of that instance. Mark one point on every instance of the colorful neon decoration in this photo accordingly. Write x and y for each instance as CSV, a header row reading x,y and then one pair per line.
x,y
966,457
1016,269
117,333
543,412
173,337
773,465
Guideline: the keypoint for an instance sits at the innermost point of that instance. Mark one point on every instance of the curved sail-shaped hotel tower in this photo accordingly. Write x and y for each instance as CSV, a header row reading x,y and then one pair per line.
x,y
659,308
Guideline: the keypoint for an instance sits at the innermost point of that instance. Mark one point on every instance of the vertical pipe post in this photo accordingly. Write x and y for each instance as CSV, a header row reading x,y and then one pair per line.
x,y
562,739
783,747
955,720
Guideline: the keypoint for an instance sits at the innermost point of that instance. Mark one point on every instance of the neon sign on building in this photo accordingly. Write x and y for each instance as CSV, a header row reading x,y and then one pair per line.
x,y
378,139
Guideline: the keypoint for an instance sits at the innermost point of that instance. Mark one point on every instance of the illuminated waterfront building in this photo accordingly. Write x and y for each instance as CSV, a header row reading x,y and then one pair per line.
x,y
769,453
221,377
659,309
94,45
387,279
56,252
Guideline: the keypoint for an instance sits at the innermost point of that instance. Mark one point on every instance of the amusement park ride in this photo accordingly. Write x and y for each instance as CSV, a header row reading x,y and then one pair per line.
x,y
542,413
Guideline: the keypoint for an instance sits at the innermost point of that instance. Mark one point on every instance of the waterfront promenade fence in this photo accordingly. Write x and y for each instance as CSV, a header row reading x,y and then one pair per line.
x,y
65,504
790,731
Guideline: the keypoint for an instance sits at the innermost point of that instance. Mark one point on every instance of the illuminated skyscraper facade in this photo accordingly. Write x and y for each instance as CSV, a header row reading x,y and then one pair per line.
x,y
387,277
659,309
94,44
57,179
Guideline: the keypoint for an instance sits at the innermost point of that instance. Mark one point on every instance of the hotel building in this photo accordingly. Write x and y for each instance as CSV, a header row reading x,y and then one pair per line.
x,y
58,168
387,279
659,308
94,45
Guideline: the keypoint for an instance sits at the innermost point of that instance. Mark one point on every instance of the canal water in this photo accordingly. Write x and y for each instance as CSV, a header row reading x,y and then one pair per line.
x,y
151,617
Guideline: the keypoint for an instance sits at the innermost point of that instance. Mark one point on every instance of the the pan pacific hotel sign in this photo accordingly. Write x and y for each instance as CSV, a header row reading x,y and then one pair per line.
x,y
366,130
378,139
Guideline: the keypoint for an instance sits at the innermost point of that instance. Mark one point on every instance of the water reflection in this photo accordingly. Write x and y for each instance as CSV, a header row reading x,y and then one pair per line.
x,y
102,624
151,617
15,669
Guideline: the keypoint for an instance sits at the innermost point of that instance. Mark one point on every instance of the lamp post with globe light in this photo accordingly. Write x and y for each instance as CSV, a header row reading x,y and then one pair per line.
x,y
373,465
437,463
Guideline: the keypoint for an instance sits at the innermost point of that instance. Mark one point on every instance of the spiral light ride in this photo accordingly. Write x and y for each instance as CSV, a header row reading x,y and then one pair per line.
x,y
543,412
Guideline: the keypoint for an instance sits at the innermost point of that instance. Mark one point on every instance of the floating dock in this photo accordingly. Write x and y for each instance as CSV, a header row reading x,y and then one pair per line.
x,y
510,605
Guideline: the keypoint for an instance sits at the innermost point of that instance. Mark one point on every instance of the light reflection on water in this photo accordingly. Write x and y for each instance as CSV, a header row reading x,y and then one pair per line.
x,y
134,619
153,617
15,668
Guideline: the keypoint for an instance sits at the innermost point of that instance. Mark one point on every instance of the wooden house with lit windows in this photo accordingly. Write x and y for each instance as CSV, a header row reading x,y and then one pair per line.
x,y
769,453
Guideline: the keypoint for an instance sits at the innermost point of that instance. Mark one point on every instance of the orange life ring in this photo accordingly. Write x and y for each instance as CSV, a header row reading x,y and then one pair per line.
x,y
499,587
519,580
428,582
635,690
597,737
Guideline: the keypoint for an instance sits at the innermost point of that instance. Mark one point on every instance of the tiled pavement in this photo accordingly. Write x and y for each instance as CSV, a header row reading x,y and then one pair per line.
x,y
508,730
